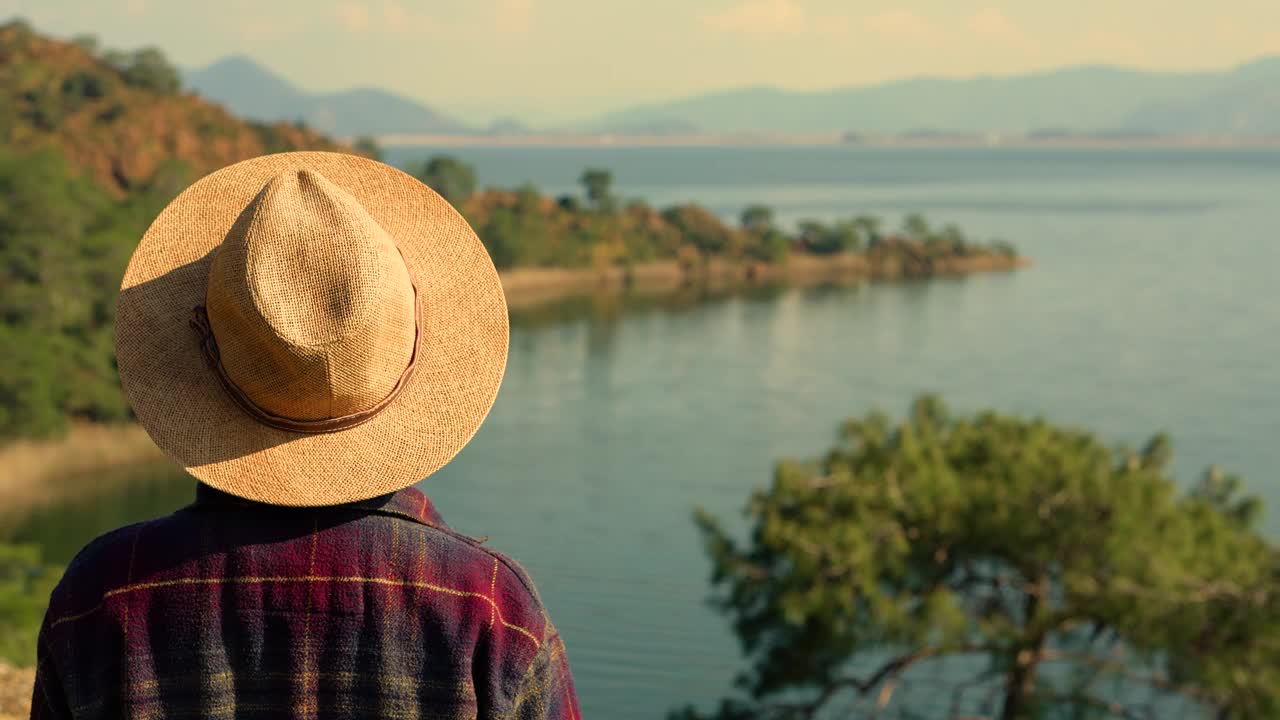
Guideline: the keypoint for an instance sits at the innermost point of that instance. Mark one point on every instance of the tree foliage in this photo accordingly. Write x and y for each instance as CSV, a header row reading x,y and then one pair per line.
x,y
1071,574
526,229
757,218
598,185
92,145
771,246
869,228
63,247
449,176
88,43
702,229
25,584
146,68
822,239
368,147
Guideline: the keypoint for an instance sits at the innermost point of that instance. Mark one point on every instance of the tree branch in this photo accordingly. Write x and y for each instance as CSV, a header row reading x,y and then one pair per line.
x,y
1115,709
887,672
1118,668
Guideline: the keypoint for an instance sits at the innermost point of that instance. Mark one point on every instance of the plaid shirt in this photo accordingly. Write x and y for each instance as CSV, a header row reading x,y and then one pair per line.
x,y
228,608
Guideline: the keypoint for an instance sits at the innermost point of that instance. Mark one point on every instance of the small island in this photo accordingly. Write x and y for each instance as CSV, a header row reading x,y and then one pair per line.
x,y
548,248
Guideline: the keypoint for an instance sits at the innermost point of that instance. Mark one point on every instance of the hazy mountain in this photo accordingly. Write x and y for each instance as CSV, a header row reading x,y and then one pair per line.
x,y
1243,99
251,90
1246,102
507,125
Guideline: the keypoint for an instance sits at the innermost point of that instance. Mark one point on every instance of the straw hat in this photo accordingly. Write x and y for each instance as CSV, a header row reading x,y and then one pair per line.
x,y
311,328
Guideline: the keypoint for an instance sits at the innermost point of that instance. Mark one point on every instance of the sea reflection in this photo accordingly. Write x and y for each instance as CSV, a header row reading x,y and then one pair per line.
x,y
114,498
121,496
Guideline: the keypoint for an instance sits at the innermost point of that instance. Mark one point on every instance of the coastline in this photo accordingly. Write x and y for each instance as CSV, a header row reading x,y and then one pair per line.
x,y
1101,141
38,473
529,287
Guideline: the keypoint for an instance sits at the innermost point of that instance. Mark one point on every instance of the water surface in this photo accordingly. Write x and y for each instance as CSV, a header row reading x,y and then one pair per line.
x,y
1152,306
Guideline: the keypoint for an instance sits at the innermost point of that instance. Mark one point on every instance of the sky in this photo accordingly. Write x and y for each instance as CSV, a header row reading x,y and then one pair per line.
x,y
562,60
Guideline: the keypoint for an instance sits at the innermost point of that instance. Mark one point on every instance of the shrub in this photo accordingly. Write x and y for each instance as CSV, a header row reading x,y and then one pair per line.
x,y
25,584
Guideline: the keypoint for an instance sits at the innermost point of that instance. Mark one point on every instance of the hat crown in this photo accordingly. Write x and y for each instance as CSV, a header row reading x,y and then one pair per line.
x,y
310,302
311,259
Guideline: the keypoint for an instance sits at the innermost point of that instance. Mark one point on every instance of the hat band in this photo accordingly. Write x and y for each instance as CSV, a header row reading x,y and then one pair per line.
x,y
209,345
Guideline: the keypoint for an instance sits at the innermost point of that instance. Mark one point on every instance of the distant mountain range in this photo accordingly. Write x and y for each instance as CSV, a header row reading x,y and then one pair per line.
x,y
1240,101
1243,100
251,90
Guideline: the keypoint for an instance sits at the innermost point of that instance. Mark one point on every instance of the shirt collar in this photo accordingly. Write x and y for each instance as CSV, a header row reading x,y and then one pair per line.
x,y
408,503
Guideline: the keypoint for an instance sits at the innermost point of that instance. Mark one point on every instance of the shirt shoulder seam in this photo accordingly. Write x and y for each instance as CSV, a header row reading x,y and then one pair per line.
x,y
510,564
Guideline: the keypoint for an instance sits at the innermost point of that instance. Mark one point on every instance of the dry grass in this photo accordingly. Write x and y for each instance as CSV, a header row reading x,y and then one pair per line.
x,y
35,473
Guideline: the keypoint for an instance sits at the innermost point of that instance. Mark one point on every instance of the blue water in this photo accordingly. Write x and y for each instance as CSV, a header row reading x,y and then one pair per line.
x,y
1152,306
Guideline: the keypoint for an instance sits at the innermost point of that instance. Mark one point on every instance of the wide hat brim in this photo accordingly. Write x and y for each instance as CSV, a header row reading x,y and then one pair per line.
x,y
461,346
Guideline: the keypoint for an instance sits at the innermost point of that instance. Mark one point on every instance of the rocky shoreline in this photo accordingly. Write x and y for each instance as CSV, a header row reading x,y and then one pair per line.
x,y
528,287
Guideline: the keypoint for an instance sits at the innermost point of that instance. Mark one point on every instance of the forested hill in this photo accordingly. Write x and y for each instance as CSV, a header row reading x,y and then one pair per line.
x,y
121,116
93,144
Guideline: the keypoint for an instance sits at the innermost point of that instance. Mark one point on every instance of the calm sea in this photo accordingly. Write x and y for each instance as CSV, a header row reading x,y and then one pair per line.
x,y
1153,305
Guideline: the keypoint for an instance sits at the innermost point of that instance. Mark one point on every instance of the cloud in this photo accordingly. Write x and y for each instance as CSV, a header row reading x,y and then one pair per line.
x,y
760,17
353,16
992,25
389,17
899,24
398,20
258,28
992,22
135,8
1114,45
394,13
514,16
